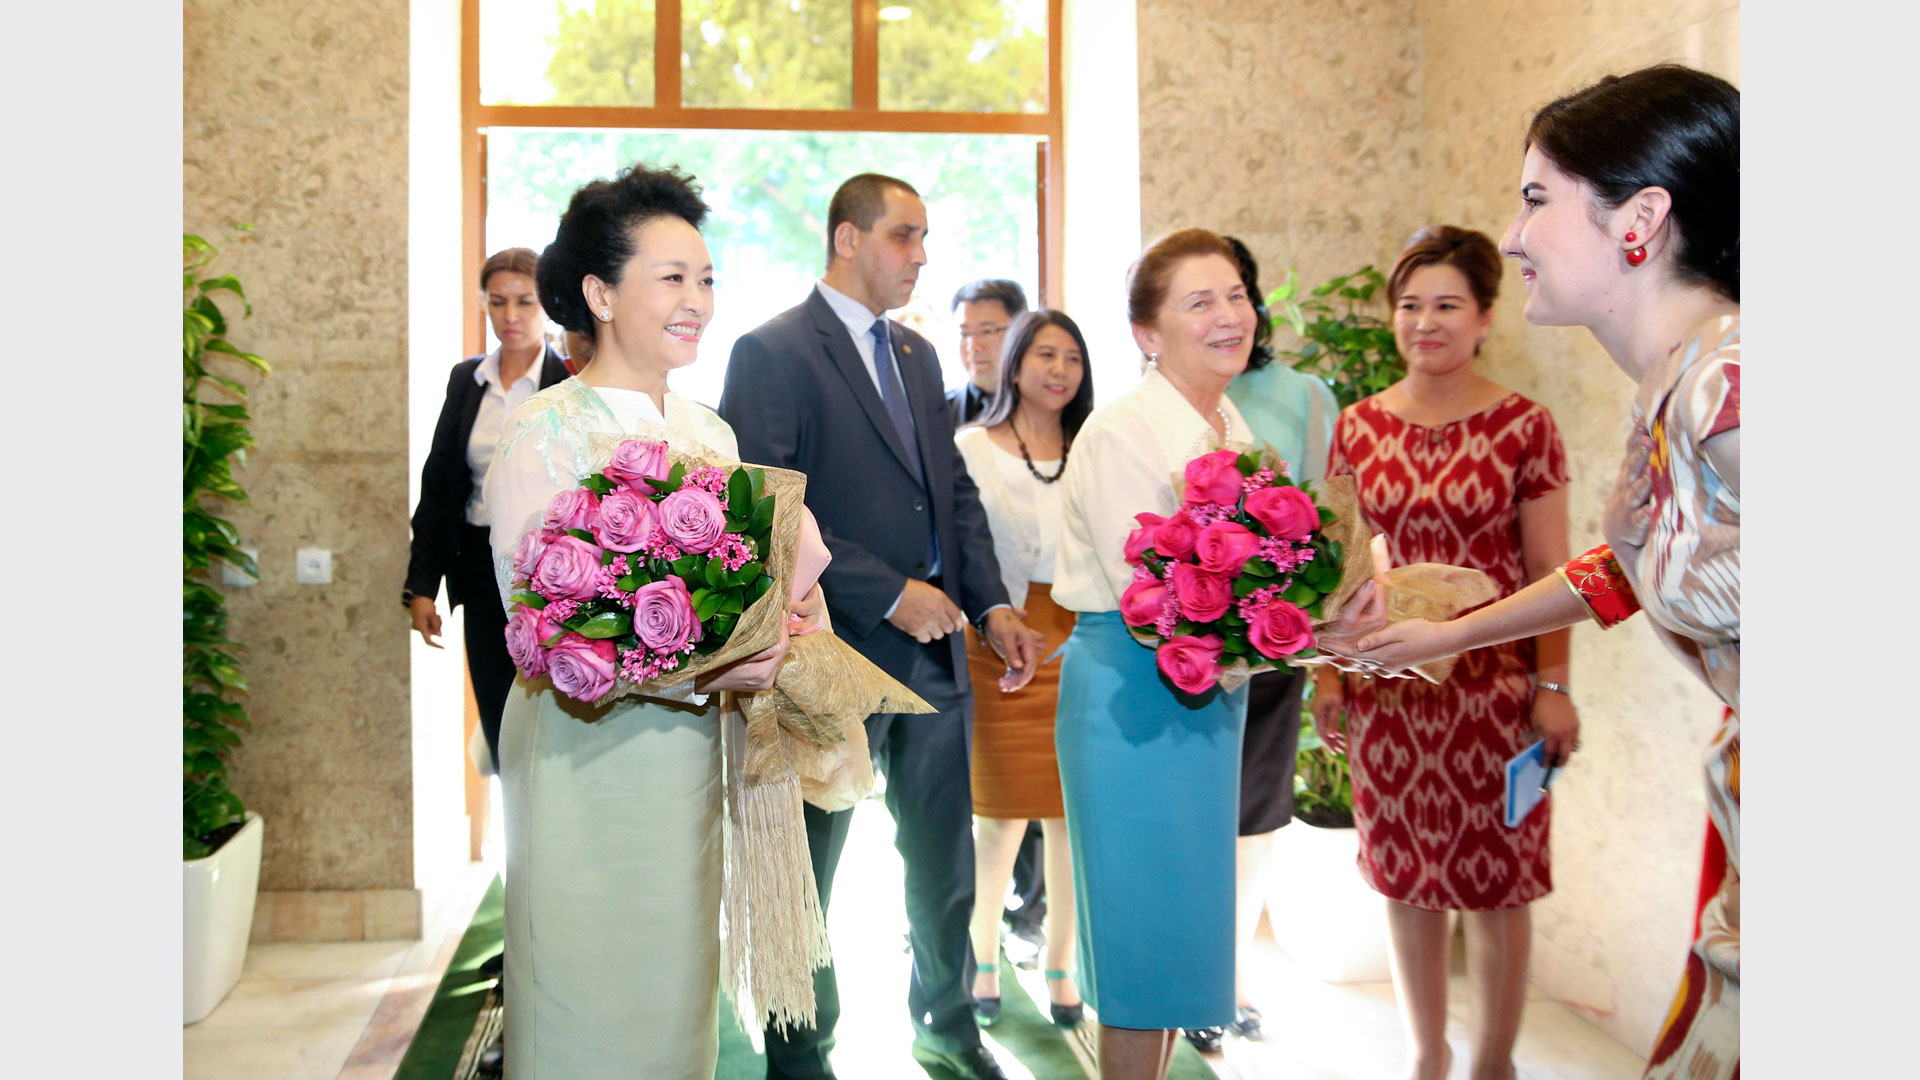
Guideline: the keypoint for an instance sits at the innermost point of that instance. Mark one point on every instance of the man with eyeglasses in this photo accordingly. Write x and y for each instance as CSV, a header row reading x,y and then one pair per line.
x,y
985,307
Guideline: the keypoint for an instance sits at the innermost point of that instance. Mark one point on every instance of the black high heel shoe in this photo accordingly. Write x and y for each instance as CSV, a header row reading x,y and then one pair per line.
x,y
986,1010
1066,1016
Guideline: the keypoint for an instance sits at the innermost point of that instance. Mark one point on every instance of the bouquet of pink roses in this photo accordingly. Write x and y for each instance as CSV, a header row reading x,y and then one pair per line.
x,y
1235,580
644,566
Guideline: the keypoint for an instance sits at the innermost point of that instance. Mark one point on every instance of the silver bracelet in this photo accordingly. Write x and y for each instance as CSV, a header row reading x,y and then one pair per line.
x,y
1556,687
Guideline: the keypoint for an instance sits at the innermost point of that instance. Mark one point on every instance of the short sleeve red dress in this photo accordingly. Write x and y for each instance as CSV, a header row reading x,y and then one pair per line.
x,y
1429,762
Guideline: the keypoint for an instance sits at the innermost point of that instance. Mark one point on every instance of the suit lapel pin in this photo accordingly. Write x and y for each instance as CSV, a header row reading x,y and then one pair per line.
x,y
908,349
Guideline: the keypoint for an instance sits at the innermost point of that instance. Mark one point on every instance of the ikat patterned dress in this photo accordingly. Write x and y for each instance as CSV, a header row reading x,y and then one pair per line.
x,y
1429,762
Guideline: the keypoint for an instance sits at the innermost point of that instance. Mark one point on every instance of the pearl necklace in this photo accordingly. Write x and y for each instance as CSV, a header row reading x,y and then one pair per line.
x,y
1226,425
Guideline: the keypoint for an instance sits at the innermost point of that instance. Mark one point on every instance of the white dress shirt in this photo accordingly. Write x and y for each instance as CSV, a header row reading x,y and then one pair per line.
x,y
1124,462
496,405
859,320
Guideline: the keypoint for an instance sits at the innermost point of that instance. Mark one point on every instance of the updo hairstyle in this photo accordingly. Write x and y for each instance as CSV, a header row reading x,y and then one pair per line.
x,y
1665,126
1472,253
596,235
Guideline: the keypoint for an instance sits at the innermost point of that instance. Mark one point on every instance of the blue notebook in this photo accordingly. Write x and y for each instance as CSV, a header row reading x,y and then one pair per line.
x,y
1524,788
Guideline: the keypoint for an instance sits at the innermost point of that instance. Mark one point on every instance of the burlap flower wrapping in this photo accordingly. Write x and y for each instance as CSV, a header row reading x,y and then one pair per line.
x,y
1416,591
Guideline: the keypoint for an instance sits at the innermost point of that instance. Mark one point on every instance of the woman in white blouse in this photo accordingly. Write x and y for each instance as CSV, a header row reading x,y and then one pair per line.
x,y
1016,453
1151,776
613,811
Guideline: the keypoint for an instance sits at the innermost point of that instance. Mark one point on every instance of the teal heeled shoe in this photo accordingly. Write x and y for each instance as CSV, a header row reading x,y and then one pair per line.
x,y
1066,1016
986,1010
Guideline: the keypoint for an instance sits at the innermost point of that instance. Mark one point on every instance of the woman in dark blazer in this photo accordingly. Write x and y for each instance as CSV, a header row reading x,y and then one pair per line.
x,y
450,526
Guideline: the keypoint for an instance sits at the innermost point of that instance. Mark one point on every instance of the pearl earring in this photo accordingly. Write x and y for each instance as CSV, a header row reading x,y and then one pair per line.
x,y
606,316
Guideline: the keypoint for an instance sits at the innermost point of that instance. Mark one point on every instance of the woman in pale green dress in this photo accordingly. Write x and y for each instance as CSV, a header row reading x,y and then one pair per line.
x,y
613,812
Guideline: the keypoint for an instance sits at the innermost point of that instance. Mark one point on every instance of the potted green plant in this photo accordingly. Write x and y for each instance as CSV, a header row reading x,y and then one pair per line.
x,y
221,837
1349,346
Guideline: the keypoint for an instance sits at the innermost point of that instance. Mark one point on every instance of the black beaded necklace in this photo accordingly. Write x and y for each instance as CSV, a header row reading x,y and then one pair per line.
x,y
1028,458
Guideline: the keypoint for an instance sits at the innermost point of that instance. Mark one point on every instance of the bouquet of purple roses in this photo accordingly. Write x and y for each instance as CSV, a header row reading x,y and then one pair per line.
x,y
645,569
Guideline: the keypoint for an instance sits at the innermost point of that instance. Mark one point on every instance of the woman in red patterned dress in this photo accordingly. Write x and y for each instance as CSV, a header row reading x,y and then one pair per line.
x,y
1455,469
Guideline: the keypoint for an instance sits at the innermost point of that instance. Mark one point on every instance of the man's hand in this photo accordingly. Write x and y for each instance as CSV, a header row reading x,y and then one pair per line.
x,y
1017,645
925,613
426,620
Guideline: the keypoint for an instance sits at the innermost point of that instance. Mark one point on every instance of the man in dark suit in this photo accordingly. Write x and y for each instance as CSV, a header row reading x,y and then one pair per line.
x,y
834,389
986,308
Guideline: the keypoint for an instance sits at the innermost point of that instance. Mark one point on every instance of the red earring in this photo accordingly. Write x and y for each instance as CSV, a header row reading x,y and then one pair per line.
x,y
1631,238
1636,256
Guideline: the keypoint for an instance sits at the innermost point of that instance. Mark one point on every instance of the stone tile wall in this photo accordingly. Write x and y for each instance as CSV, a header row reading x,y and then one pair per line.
x,y
296,123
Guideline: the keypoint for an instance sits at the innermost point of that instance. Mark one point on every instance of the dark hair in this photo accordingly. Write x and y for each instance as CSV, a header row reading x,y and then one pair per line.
x,y
861,200
1006,396
1009,294
1472,253
596,234
1262,354
516,260
1148,277
1665,126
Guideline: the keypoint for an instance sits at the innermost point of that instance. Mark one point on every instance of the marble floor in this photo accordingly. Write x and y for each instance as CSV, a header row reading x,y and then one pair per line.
x,y
346,1011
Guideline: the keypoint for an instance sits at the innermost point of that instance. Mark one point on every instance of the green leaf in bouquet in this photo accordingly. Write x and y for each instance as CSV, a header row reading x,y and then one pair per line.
x,y
759,588
607,624
715,573
707,604
757,479
1243,587
1326,517
1300,594
1260,568
675,477
739,494
1233,621
1236,646
1322,575
722,626
732,602
598,484
746,574
757,546
1332,551
581,534
686,565
607,557
709,644
528,597
1247,463
762,517
628,583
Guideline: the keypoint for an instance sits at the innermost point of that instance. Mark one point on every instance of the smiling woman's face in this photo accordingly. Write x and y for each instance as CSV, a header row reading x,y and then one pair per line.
x,y
1567,261
665,297
1437,323
1205,325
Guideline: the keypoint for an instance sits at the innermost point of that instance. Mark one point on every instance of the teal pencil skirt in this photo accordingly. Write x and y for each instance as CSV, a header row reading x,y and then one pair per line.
x,y
1151,779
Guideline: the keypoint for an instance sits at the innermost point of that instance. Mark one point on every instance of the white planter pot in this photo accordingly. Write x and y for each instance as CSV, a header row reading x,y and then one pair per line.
x,y
220,890
1324,916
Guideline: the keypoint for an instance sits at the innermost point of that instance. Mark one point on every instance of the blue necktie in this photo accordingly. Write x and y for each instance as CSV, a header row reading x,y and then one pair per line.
x,y
894,396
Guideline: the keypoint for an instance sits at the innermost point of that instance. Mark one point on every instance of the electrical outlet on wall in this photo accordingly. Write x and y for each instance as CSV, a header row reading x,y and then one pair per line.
x,y
313,566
